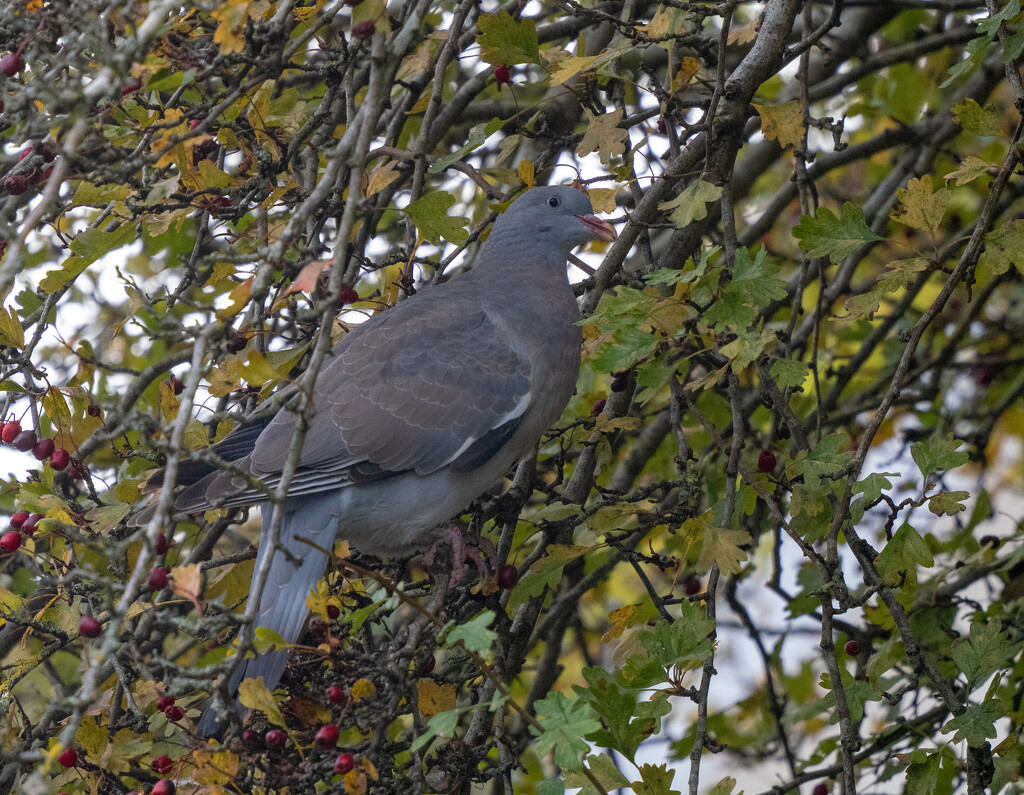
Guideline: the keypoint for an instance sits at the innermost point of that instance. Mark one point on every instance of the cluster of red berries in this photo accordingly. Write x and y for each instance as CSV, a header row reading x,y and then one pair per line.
x,y
16,184
22,524
43,449
171,711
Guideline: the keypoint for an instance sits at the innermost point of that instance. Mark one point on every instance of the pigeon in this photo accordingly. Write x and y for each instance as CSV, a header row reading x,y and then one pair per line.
x,y
417,412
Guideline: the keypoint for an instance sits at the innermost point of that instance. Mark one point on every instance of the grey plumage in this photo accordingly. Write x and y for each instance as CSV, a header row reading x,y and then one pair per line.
x,y
418,411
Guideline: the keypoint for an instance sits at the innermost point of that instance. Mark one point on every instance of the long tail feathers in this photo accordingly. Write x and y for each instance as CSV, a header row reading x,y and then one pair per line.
x,y
308,530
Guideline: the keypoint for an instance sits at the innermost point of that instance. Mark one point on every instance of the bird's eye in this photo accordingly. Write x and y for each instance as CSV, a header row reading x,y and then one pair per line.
x,y
553,201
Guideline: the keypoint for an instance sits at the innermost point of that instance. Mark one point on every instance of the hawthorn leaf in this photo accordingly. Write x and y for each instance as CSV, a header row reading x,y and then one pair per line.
x,y
902,555
948,503
691,204
252,693
1004,246
976,119
430,214
934,455
604,136
782,123
921,207
977,723
564,721
826,235
504,41
970,169
789,373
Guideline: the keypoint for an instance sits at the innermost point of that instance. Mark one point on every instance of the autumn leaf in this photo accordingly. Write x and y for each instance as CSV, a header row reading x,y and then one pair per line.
x,y
435,697
721,546
252,693
782,123
308,277
921,207
604,136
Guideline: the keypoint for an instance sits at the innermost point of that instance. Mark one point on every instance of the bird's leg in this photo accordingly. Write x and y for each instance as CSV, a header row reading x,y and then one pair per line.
x,y
462,552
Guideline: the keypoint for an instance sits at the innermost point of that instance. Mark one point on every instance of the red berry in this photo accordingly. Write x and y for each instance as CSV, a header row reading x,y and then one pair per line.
x,y
249,737
327,736
10,542
32,523
10,431
508,576
16,184
333,611
193,123
692,585
661,125
363,30
25,441
501,74
76,472
11,64
89,627
25,153
821,788
157,579
335,694
161,765
164,702
235,342
131,87
852,647
163,787
59,459
176,385
275,738
344,764
174,713
619,383
348,295
766,461
598,407
18,519
68,757
161,544
43,448
427,666
94,410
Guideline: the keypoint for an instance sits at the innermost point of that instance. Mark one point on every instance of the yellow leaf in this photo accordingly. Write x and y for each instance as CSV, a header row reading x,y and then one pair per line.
x,y
363,688
187,581
687,71
628,616
381,177
526,173
11,332
782,123
570,67
603,135
252,693
231,16
355,782
919,207
721,547
602,199
226,378
309,712
239,297
215,768
127,491
435,697
369,767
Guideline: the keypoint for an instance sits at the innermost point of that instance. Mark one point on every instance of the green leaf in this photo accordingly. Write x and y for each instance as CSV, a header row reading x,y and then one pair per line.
x,y
826,235
934,455
430,214
603,768
977,723
628,721
564,721
948,503
474,634
88,246
789,373
443,724
655,780
970,169
685,640
902,555
981,654
975,119
857,692
755,278
921,207
1004,246
691,204
923,777
504,41
826,459
477,135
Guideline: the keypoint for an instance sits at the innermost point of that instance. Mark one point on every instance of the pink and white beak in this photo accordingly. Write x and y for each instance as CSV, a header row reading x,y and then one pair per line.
x,y
598,227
